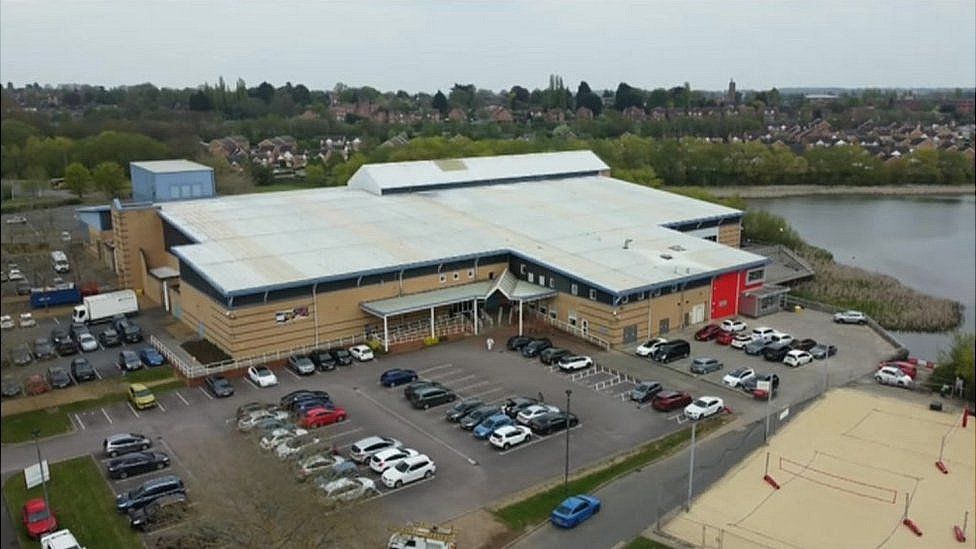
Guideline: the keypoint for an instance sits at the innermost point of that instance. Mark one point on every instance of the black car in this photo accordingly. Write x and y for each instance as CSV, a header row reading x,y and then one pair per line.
x,y
43,349
78,328
412,388
136,464
109,338
752,384
162,512
550,423
536,346
23,288
131,332
516,343
303,405
823,350
432,396
148,492
82,370
514,405
776,352
125,443
341,356
58,377
63,342
461,409
803,344
553,354
323,360
219,386
645,391
289,400
474,417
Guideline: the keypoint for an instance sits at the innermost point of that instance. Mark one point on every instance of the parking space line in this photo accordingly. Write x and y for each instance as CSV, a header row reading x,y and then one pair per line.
x,y
159,404
133,410
440,367
176,458
464,388
488,392
536,439
178,395
107,417
390,491
345,433
464,378
80,423
97,373
293,374
205,393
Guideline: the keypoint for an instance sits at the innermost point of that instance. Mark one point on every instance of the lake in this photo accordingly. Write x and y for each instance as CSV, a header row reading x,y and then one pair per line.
x,y
928,243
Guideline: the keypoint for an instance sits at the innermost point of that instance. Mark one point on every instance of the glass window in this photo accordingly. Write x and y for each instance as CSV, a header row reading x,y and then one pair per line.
x,y
592,294
542,280
185,191
531,277
755,275
574,289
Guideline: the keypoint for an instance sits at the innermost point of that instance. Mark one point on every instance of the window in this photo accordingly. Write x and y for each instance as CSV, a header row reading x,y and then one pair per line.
x,y
443,278
553,313
470,273
552,282
530,277
755,276
542,280
542,309
456,276
592,294
574,289
522,268
625,299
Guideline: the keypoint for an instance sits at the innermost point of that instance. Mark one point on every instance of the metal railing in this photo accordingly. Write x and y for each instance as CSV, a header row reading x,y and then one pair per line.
x,y
574,330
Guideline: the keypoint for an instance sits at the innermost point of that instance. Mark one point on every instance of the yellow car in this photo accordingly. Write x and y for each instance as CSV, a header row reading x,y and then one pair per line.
x,y
141,397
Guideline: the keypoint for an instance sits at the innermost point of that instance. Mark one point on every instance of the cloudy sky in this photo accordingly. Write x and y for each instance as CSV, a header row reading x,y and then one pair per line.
x,y
427,44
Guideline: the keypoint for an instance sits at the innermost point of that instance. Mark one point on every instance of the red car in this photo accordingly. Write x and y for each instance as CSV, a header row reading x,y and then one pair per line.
x,y
910,369
38,518
708,332
321,416
670,400
724,338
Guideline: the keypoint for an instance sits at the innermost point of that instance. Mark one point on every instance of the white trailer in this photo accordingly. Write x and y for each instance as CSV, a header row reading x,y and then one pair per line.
x,y
102,307
423,536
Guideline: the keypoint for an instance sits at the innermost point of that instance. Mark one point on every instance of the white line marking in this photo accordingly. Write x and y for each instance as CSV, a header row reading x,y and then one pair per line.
x,y
159,403
177,393
56,321
488,392
345,433
205,393
293,374
133,410
445,378
448,365
81,423
536,439
107,417
176,458
472,386
404,487
97,373
618,395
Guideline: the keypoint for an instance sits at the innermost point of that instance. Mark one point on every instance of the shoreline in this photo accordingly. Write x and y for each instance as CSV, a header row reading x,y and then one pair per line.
x,y
783,191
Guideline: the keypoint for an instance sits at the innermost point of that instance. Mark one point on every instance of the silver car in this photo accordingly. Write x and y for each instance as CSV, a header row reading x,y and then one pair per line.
x,y
704,365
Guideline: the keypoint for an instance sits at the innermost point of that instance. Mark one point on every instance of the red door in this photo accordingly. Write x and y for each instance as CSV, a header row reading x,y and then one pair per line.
x,y
725,289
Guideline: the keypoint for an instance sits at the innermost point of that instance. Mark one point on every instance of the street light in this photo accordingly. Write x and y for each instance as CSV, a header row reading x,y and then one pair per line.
x,y
40,466
566,470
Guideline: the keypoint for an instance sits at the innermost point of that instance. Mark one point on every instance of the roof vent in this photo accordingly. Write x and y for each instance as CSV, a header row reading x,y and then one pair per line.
x,y
627,243
666,256
677,248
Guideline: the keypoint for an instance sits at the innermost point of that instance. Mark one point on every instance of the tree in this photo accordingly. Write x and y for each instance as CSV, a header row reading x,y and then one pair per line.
x,y
582,90
591,101
315,175
462,95
77,179
519,98
260,174
109,178
439,103
265,92
958,361
200,101
627,96
301,95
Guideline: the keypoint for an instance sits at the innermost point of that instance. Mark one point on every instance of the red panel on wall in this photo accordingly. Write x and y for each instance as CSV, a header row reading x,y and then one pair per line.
x,y
725,295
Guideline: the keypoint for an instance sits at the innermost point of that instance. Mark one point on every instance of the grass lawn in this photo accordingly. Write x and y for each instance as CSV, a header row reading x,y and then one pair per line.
x,y
644,543
536,508
82,502
149,375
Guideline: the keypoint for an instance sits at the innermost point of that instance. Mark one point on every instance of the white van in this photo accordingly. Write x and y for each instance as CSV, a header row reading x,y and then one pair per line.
x,y
59,262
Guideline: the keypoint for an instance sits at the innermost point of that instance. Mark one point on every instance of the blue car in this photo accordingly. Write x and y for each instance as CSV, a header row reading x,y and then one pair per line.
x,y
488,426
151,357
397,376
574,510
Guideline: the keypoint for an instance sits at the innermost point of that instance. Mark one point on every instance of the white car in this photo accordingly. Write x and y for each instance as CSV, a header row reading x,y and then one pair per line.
x,y
15,274
703,407
409,470
262,376
780,337
797,357
349,489
733,325
573,363
7,322
317,462
893,375
850,317
27,320
384,459
16,220
292,447
363,449
362,353
762,333
87,342
248,422
534,411
510,435
648,347
737,377
65,236
740,341
278,436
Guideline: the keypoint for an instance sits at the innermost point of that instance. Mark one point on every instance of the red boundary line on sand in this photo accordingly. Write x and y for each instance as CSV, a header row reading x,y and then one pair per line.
x,y
894,493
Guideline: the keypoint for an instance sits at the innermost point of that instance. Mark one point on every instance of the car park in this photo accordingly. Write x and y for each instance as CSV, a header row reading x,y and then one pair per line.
x,y
645,391
460,409
163,511
38,518
672,350
43,349
362,353
574,510
707,333
128,361
415,386
136,463
733,325
26,320
349,489
648,348
125,443
516,342
738,376
740,340
755,347
301,365
58,377
552,354
803,344
87,342
797,358
514,405
850,317
724,337
703,407
432,396
109,338
665,401
323,360
321,416
488,425
295,445
534,411
536,346
218,386
397,376
149,491
151,357
476,416
317,463
35,384
572,363
341,356
823,350
409,470
705,365
550,423
141,397
364,449
384,459
279,436
262,376
892,375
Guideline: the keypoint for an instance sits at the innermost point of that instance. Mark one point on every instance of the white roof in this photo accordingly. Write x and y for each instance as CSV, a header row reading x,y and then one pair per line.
x,y
170,166
394,176
576,226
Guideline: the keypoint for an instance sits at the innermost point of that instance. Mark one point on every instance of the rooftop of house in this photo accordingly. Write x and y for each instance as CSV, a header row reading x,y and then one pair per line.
x,y
170,166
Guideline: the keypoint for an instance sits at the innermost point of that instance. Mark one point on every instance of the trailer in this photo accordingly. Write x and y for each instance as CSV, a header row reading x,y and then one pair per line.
x,y
102,307
52,297
423,536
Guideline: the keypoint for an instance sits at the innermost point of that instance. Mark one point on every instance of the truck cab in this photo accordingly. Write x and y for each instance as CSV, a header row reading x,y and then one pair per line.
x,y
62,539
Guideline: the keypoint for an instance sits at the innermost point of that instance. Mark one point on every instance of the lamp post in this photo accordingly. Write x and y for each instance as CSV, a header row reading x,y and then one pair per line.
x,y
566,470
40,466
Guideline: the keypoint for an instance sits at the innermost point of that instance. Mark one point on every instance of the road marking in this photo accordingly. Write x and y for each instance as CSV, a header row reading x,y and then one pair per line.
x,y
133,410
160,405
80,423
177,393
97,373
415,426
107,417
472,386
56,321
205,393
444,379
176,458
255,385
400,489
293,374
352,431
442,366
618,395
488,392
536,439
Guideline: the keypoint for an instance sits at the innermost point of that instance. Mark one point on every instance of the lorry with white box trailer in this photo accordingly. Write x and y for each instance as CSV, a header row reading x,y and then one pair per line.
x,y
102,307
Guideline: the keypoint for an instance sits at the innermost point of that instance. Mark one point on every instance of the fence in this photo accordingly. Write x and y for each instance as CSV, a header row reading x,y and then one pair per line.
x,y
901,351
420,329
574,330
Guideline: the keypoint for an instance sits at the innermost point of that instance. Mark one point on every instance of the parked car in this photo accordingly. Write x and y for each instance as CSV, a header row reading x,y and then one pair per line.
x,y
109,338
15,275
87,342
724,337
910,369
35,384
316,463
136,463
251,420
534,411
321,416
218,386
704,407
151,357
38,518
301,365
552,354
649,347
488,425
738,376
645,391
58,377
409,470
740,340
349,489
128,361
362,353
149,491
363,449
267,424
16,220
509,435
672,350
823,350
23,288
755,347
733,325
7,322
415,386
665,401
301,407
850,317
76,329
21,355
63,342
26,320
514,405
536,346
462,408
43,349
384,459
705,365
11,388
141,397
163,511
432,396
780,338
397,376
762,333
288,401
341,469
803,344
516,342
295,445
797,358
707,333
262,376
574,510
752,386
341,356
323,360
278,436
892,375
776,352
125,443
130,331
550,423
250,407
572,363
476,416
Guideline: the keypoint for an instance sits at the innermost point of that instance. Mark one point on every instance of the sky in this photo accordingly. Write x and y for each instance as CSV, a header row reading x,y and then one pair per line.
x,y
425,45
